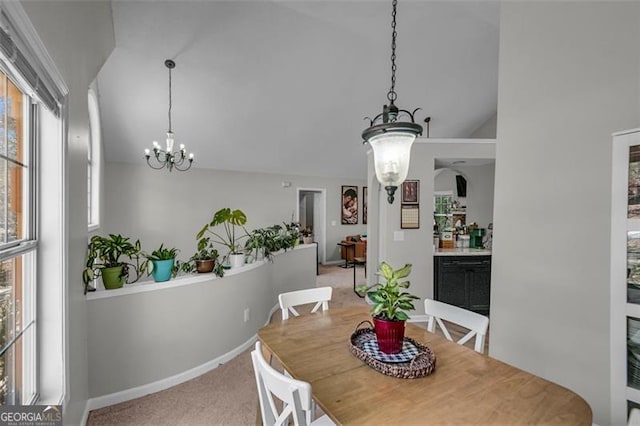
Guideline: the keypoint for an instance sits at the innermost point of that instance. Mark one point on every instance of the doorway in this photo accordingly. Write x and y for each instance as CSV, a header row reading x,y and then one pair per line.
x,y
311,212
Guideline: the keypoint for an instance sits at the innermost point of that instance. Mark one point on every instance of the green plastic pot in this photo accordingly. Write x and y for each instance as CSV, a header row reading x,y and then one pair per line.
x,y
112,278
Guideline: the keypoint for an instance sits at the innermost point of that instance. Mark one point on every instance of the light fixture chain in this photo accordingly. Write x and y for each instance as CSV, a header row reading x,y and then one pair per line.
x,y
169,100
392,95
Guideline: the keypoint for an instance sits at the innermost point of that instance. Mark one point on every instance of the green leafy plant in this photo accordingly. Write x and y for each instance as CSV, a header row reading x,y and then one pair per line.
x,y
255,241
206,251
107,252
229,219
290,235
162,253
389,298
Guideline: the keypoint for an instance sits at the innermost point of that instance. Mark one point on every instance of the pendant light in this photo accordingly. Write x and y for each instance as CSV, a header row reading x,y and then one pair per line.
x,y
167,157
391,139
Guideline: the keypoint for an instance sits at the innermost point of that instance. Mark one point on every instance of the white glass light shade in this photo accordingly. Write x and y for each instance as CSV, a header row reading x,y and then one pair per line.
x,y
391,155
169,141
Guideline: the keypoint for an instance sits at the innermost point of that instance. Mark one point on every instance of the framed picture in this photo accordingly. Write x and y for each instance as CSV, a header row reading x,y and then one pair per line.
x,y
411,191
365,204
349,203
409,216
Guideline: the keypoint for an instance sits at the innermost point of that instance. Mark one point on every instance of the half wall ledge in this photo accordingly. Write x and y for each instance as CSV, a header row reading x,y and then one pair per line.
x,y
146,337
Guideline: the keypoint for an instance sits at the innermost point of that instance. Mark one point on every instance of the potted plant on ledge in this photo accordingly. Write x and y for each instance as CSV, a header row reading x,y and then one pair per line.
x,y
204,260
104,259
229,219
163,263
390,303
307,235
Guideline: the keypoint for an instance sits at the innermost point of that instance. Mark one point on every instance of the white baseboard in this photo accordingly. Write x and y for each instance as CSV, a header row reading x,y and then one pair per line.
x,y
85,414
138,391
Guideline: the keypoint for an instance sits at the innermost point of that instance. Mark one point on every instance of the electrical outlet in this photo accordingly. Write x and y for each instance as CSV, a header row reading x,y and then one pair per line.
x,y
246,314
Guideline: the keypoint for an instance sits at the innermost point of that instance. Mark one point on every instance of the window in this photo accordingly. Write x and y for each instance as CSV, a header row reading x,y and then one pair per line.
x,y
93,168
442,202
17,248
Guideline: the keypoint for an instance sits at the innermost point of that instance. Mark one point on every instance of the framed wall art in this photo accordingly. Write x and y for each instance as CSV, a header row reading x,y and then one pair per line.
x,y
365,204
409,216
411,191
349,203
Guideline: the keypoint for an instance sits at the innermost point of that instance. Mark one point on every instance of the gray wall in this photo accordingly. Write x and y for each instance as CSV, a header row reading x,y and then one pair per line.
x,y
79,37
137,339
161,207
569,77
417,247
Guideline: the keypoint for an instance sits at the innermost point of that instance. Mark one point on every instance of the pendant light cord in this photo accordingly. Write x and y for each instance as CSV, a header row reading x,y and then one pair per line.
x,y
392,95
169,100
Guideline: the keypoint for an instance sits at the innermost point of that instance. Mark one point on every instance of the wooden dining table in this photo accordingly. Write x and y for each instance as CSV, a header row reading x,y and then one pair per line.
x,y
466,387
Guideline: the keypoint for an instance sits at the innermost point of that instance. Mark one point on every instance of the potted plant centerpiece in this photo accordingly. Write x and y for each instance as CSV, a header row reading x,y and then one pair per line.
x,y
163,263
104,258
229,219
390,303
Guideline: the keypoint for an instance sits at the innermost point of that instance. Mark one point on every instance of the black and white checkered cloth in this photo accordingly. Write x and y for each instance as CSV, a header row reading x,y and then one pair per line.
x,y
409,351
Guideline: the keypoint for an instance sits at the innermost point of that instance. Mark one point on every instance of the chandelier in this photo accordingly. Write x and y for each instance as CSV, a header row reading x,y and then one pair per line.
x,y
389,138
167,157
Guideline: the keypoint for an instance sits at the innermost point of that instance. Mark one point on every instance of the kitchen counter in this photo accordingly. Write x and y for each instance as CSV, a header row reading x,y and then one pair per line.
x,y
462,252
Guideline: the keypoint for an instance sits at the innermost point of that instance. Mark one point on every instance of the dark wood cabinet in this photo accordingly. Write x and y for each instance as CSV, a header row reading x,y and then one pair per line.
x,y
463,281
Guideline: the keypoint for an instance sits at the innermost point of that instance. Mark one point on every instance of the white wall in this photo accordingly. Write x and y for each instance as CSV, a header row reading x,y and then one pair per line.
x,y
568,79
417,246
78,37
161,207
487,130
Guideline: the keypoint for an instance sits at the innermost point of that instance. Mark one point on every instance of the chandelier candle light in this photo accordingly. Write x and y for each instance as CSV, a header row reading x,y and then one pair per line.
x,y
168,157
391,139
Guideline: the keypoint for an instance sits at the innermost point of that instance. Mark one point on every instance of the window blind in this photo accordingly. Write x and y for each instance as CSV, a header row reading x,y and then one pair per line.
x,y
23,62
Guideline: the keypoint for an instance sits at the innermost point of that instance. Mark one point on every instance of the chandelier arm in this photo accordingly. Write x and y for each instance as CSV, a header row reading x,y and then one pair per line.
x,y
184,169
160,165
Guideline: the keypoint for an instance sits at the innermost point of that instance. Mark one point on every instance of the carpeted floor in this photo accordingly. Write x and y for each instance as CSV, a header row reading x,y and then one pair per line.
x,y
225,395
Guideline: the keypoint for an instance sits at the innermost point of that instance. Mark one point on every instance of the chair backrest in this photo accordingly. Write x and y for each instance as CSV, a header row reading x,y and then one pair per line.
x,y
321,296
294,394
476,323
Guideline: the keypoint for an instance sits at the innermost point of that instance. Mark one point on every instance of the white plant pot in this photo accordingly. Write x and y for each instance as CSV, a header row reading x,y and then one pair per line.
x,y
236,260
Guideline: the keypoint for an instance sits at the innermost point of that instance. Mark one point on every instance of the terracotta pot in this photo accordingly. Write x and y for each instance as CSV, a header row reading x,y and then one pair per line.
x,y
204,266
390,335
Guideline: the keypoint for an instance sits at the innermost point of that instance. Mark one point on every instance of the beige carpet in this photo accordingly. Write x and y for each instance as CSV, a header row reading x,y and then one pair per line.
x,y
224,396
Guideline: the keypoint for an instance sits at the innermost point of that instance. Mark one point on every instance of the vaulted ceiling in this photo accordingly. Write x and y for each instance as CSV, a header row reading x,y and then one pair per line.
x,y
283,86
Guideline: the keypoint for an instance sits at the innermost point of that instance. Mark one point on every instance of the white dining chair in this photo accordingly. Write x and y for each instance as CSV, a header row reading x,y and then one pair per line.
x,y
321,296
634,417
437,311
294,395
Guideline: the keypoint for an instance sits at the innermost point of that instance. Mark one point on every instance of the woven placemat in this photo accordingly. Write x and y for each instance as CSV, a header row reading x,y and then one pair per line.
x,y
421,365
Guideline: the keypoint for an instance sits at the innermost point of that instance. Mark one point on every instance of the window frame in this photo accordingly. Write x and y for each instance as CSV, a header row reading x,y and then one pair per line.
x,y
25,248
94,152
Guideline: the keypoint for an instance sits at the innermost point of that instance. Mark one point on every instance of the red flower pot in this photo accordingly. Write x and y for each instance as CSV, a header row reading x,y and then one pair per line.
x,y
390,335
